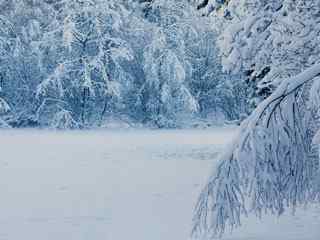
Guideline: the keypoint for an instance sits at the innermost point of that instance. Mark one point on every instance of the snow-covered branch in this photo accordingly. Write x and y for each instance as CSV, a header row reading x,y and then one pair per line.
x,y
272,164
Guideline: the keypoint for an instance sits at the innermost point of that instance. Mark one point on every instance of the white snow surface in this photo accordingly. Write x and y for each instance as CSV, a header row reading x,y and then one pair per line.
x,y
119,185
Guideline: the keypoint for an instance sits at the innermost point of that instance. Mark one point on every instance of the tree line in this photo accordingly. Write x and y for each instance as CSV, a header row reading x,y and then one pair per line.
x,y
71,64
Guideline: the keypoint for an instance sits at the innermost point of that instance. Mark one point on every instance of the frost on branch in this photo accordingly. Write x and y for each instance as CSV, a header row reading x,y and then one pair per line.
x,y
271,165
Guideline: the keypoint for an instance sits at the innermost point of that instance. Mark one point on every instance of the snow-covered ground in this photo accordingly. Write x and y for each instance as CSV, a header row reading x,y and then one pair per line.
x,y
118,185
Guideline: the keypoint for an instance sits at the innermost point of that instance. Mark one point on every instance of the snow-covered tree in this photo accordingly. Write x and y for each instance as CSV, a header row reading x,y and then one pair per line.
x,y
273,163
96,59
165,79
89,69
215,91
267,40
165,93
24,25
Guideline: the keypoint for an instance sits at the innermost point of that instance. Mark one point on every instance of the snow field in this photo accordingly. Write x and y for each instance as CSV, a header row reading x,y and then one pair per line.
x,y
118,185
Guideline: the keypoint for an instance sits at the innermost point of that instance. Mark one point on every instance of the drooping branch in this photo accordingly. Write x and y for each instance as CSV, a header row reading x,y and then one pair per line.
x,y
268,164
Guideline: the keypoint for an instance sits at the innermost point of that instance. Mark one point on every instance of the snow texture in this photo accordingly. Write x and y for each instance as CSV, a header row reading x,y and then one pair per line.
x,y
119,185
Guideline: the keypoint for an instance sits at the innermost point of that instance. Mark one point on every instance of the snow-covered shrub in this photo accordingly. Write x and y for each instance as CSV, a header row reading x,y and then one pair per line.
x,y
4,106
64,120
4,125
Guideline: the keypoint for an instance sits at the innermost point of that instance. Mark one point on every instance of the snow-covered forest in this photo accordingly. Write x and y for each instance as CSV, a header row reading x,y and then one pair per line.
x,y
75,64
166,64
